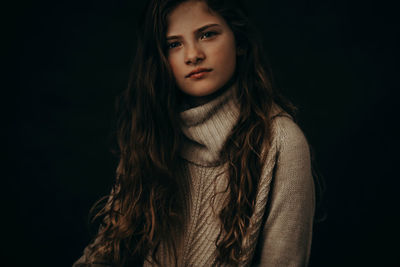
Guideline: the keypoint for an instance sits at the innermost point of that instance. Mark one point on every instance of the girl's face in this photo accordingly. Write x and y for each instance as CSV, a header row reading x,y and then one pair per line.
x,y
201,49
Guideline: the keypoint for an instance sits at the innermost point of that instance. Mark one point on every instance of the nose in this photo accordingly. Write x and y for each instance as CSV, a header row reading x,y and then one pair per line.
x,y
194,54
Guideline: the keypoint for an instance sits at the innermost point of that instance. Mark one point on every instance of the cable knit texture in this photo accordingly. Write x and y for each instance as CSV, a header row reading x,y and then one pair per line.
x,y
280,229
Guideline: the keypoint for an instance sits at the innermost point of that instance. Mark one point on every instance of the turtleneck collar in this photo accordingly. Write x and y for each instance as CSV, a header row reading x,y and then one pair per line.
x,y
206,128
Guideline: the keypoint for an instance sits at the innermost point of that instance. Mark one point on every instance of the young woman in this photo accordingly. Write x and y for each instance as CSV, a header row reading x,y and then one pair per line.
x,y
213,169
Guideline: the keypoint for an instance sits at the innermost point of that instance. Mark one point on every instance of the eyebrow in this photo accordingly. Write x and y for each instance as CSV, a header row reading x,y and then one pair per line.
x,y
196,31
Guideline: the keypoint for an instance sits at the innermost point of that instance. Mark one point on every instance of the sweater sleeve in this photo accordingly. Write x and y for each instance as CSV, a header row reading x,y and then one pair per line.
x,y
287,232
86,259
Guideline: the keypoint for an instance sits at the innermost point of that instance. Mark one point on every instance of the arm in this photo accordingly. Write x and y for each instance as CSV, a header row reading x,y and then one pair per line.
x,y
86,260
287,233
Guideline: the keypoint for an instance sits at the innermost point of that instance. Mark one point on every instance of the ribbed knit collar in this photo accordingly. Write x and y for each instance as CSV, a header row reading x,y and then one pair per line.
x,y
207,127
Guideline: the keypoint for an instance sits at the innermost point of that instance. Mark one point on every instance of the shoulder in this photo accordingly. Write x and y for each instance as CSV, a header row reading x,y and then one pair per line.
x,y
290,206
286,133
288,157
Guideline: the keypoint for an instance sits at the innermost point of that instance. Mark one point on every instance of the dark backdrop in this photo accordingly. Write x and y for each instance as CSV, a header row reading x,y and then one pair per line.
x,y
336,60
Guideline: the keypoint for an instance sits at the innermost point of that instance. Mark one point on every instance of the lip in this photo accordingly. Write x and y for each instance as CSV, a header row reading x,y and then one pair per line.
x,y
198,70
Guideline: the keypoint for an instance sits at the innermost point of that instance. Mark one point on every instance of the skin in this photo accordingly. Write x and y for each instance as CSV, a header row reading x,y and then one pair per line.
x,y
192,43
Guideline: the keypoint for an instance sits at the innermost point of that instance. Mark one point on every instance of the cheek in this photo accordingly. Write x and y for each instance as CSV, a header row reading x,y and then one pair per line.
x,y
174,69
174,66
171,62
226,55
226,51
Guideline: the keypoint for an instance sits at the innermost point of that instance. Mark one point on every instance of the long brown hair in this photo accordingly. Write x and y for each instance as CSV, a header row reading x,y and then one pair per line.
x,y
143,208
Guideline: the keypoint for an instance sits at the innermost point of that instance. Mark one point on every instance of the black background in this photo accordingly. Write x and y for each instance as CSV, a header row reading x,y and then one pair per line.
x,y
336,60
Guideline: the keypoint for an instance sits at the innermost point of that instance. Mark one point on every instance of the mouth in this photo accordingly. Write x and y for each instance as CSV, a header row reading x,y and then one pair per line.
x,y
197,72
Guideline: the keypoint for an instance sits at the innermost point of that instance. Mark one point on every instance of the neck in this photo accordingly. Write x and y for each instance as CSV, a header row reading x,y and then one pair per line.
x,y
206,128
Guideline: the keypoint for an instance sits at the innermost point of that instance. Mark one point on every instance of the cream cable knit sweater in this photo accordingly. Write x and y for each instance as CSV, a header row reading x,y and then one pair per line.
x,y
280,230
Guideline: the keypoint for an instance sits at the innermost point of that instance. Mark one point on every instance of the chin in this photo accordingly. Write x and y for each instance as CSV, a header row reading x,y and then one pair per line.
x,y
200,90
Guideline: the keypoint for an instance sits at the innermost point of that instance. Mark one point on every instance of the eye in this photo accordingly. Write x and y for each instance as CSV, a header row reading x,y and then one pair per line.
x,y
208,34
173,45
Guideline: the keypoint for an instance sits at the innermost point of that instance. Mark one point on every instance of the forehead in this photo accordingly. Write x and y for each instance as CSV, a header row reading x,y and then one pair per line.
x,y
191,15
